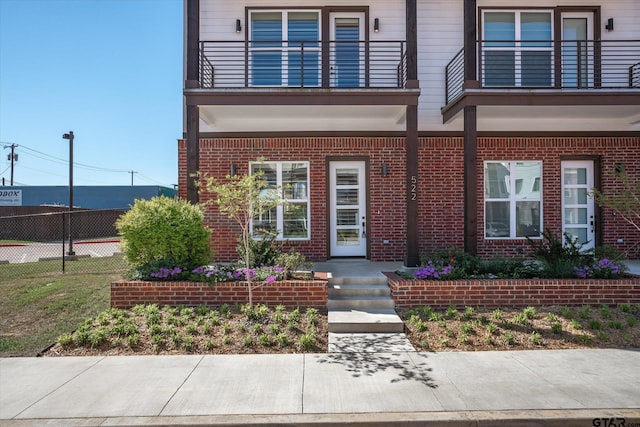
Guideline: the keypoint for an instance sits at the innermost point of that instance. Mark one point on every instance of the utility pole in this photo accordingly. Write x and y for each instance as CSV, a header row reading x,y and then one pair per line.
x,y
132,172
69,136
13,157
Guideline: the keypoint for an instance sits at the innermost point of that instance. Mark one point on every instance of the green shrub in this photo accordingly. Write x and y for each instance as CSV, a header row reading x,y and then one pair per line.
x,y
535,338
262,252
509,339
609,252
513,268
166,231
65,340
307,341
292,261
559,257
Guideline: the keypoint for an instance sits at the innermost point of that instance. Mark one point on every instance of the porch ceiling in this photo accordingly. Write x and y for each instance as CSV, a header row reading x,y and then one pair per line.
x,y
287,118
554,118
586,104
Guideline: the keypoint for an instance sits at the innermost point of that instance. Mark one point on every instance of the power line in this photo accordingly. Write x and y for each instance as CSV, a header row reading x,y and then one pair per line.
x,y
78,164
58,160
152,180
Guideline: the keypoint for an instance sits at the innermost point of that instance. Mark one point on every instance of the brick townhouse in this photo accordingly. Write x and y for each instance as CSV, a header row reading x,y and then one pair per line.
x,y
400,127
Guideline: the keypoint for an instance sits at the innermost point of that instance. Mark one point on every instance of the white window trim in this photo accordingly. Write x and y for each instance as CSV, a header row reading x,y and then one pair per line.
x,y
513,199
517,47
280,207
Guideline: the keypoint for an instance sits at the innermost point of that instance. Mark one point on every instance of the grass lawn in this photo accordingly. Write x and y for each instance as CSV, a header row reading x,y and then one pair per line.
x,y
38,303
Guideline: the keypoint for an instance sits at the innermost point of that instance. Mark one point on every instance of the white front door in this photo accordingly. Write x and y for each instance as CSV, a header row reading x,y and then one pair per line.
x,y
578,209
348,204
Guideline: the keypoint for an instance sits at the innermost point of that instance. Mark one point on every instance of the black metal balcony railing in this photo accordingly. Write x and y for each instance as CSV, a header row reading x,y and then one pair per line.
x,y
308,64
567,64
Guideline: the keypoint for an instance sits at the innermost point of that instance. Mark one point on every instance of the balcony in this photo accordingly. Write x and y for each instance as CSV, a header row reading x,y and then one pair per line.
x,y
546,73
342,85
302,64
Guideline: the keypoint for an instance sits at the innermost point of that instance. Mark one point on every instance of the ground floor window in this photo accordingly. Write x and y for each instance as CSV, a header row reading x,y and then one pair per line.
x,y
512,199
290,220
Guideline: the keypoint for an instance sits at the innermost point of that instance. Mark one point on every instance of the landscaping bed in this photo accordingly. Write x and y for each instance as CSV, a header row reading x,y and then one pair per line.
x,y
150,329
531,328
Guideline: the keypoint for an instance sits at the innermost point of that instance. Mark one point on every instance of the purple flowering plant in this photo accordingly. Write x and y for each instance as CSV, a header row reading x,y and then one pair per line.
x,y
219,273
601,269
166,273
437,270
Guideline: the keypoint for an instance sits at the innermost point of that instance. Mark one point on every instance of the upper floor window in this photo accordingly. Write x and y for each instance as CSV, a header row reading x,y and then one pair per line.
x,y
285,48
512,199
517,48
290,220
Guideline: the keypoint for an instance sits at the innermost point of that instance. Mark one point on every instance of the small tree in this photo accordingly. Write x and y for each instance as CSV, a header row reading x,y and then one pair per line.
x,y
242,198
626,202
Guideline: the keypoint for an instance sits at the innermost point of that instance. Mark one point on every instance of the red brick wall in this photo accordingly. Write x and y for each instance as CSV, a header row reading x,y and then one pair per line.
x,y
125,294
551,151
512,293
440,186
441,173
386,197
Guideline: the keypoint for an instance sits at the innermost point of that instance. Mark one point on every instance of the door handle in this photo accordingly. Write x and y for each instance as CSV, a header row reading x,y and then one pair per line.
x,y
364,228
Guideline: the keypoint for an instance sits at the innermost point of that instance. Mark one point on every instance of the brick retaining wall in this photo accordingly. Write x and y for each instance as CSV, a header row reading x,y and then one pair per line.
x,y
512,293
290,293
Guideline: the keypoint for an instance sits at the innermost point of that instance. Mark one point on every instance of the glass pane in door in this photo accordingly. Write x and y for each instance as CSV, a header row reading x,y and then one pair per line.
x,y
348,237
347,52
347,177
575,52
347,216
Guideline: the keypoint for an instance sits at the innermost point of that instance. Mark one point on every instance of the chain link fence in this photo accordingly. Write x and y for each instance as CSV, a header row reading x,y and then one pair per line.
x,y
76,241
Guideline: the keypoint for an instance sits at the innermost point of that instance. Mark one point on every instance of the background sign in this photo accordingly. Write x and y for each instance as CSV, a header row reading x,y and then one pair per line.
x,y
10,197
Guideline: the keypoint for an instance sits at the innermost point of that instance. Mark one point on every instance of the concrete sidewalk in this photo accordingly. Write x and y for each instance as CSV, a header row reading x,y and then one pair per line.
x,y
555,387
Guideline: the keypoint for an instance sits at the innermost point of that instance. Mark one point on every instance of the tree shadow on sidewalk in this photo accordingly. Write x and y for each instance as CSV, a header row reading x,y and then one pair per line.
x,y
360,362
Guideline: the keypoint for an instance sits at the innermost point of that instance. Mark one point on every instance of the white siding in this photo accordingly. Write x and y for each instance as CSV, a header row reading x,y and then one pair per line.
x,y
218,18
440,37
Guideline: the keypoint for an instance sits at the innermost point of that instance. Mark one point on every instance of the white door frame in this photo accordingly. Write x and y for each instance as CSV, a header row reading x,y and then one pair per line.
x,y
348,229
578,207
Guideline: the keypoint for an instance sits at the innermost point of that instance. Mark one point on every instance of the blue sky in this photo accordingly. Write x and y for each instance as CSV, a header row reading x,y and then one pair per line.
x,y
110,71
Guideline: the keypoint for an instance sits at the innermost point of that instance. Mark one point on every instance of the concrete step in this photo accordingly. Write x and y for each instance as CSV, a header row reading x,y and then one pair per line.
x,y
366,280
369,343
369,321
356,290
360,303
